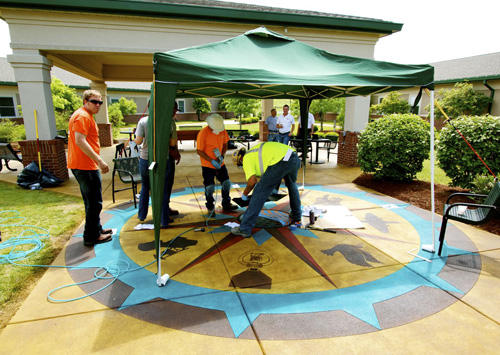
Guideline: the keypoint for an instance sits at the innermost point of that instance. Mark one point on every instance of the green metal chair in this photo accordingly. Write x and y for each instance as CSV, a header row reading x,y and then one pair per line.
x,y
473,213
129,173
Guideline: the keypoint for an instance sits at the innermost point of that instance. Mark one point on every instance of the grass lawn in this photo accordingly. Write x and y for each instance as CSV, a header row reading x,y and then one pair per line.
x,y
439,175
57,215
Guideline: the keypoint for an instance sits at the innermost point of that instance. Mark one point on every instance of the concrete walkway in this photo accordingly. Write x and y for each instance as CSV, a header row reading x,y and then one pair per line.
x,y
278,292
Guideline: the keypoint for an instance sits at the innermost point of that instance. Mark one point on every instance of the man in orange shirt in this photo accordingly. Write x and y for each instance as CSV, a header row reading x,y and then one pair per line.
x,y
85,162
211,145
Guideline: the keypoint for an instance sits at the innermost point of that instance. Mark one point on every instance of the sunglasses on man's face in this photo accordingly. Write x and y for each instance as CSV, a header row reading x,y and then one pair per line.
x,y
95,102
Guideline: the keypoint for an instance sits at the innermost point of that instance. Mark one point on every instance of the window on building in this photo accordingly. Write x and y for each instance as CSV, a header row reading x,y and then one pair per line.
x,y
7,107
182,105
114,100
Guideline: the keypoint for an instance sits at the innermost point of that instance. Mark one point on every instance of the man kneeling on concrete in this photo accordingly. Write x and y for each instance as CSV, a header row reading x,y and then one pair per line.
x,y
211,145
271,161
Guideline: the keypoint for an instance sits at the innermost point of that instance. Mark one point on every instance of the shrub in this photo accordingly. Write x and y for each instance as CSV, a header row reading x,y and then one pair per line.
x,y
461,100
391,104
483,184
333,136
11,132
6,131
394,147
127,107
65,99
62,121
458,160
115,117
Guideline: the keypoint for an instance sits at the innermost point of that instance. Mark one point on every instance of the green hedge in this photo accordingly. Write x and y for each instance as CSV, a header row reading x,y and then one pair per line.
x,y
458,160
394,147
11,132
333,136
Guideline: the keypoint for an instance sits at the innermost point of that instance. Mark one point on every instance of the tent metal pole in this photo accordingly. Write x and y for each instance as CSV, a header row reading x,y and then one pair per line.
x,y
430,247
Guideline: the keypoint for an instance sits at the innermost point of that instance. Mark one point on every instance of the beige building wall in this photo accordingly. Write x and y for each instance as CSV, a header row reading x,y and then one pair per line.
x,y
410,94
105,48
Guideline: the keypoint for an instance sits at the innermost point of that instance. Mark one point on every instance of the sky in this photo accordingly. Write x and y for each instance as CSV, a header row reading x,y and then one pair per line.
x,y
433,30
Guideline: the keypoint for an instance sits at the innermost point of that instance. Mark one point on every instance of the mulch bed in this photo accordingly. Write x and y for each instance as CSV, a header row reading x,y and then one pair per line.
x,y
418,193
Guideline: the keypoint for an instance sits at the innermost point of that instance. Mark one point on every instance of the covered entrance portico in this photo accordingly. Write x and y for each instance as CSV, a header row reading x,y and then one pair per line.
x,y
115,41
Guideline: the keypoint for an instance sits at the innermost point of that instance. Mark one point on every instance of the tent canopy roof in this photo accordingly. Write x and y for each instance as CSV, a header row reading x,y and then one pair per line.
x,y
265,64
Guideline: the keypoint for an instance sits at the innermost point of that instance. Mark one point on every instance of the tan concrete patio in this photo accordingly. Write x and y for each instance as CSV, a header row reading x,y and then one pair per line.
x,y
307,295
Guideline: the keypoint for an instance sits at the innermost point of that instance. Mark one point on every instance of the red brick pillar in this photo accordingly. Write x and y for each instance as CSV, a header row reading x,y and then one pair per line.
x,y
52,154
105,134
263,131
348,149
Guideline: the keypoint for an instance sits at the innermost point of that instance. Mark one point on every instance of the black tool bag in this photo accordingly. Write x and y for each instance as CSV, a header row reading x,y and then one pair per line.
x,y
31,175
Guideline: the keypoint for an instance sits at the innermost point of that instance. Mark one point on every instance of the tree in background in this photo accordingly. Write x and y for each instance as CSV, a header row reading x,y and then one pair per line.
x,y
201,105
117,110
127,107
461,100
391,104
321,107
65,100
241,107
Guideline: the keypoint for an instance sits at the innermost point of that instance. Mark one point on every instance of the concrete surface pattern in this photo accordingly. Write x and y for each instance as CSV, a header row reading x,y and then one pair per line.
x,y
280,291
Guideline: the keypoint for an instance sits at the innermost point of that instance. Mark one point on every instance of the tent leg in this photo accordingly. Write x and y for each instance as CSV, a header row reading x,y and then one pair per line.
x,y
303,179
431,247
161,279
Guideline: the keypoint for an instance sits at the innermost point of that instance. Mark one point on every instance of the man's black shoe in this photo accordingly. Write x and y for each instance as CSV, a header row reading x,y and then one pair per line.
x,y
229,207
103,238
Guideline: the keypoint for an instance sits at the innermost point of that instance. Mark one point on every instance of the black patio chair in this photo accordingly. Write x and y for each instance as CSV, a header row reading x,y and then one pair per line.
x,y
329,147
297,143
8,153
129,173
473,213
120,151
62,134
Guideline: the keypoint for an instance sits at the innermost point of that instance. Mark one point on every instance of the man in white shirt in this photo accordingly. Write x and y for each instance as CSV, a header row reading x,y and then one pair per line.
x,y
285,125
310,125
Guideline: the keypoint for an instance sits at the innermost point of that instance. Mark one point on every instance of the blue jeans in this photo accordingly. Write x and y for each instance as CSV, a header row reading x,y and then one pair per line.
x,y
90,187
273,137
284,138
146,187
222,176
283,170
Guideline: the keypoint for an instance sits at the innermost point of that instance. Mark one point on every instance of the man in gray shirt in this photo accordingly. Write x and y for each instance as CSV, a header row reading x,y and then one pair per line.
x,y
271,126
175,157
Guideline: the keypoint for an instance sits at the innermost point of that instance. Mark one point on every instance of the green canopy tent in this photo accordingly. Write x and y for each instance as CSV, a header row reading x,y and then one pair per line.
x,y
260,64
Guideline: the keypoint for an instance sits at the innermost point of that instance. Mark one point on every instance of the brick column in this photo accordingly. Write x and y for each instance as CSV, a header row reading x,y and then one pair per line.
x,y
105,134
52,153
348,149
263,132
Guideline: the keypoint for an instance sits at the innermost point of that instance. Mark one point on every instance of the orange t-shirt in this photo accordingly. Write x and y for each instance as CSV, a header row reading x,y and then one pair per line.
x,y
82,122
207,141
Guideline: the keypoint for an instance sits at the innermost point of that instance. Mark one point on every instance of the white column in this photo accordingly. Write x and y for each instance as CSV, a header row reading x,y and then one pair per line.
x,y
32,72
102,116
357,113
267,106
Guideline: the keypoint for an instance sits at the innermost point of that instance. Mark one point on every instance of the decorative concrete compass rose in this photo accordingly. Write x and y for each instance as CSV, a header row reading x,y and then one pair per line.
x,y
278,283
